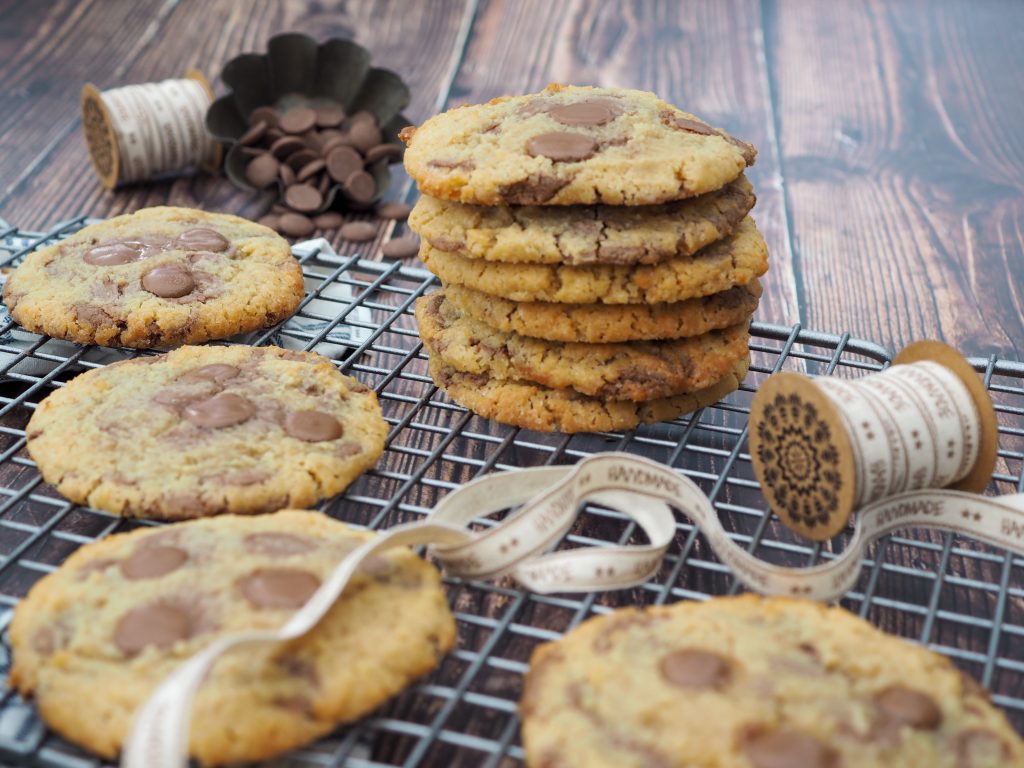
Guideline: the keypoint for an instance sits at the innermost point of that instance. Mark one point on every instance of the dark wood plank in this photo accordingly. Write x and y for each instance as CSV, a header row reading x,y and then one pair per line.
x,y
897,124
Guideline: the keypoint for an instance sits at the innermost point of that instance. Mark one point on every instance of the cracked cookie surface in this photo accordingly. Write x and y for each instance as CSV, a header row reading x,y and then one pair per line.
x,y
157,277
207,430
635,371
737,260
94,639
571,145
752,682
608,323
545,409
578,235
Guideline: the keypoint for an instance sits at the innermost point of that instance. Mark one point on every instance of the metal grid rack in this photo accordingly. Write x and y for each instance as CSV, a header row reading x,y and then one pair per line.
x,y
963,599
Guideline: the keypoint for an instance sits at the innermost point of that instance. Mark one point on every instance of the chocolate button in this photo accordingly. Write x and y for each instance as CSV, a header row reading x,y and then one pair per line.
x,y
693,126
365,135
278,544
296,225
202,239
590,112
693,668
397,211
312,426
360,187
170,281
909,707
562,146
303,197
401,247
262,171
358,231
329,116
112,254
788,748
223,410
278,588
151,562
156,624
297,120
390,151
342,162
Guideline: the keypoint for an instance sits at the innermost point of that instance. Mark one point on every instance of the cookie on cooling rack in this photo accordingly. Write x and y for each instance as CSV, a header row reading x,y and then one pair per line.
x,y
753,682
93,640
157,277
207,430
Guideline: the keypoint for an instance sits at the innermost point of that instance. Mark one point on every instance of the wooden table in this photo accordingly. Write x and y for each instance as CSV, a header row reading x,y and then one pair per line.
x,y
891,156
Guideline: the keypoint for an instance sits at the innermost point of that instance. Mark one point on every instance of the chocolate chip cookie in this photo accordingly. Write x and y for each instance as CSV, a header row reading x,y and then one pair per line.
x,y
568,145
93,640
157,277
546,409
207,430
578,235
635,371
737,260
753,682
608,323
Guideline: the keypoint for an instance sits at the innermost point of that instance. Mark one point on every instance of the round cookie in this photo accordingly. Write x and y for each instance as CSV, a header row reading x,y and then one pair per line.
x,y
608,323
635,371
207,430
569,145
736,260
752,682
157,277
533,406
583,234
94,639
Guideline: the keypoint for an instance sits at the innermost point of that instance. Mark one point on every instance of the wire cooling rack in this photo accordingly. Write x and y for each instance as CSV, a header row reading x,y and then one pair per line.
x,y
962,599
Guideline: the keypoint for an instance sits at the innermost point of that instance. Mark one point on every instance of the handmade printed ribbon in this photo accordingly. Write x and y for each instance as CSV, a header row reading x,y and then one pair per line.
x,y
643,490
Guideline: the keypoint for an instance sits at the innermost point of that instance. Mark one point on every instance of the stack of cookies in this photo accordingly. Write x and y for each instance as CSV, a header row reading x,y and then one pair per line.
x,y
598,265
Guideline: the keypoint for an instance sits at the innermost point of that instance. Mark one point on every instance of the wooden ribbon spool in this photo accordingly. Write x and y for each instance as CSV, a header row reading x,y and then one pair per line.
x,y
142,131
823,447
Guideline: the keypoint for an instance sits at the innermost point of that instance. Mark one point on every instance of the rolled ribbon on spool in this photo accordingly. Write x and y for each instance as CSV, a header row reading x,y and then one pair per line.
x,y
823,447
142,131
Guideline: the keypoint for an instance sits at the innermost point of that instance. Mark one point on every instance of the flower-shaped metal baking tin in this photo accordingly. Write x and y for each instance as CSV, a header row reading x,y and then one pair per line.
x,y
296,71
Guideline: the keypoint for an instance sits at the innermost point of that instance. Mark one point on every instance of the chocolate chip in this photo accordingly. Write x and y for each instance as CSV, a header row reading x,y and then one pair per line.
x,y
360,187
358,231
223,410
692,126
262,171
266,115
202,239
287,174
381,151
159,624
562,146
218,372
342,162
296,225
303,197
286,145
329,116
152,562
312,426
278,544
694,668
788,748
302,158
398,211
113,254
365,135
297,120
328,220
169,281
909,707
278,588
254,134
401,247
309,169
589,112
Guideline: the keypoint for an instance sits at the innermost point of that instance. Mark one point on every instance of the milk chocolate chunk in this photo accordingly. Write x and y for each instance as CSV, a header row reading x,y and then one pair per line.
x,y
977,747
562,146
312,426
589,112
278,588
695,668
788,748
218,372
262,170
686,124
159,624
223,410
152,562
909,707
113,254
535,189
169,281
303,197
278,544
202,239
358,231
297,120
